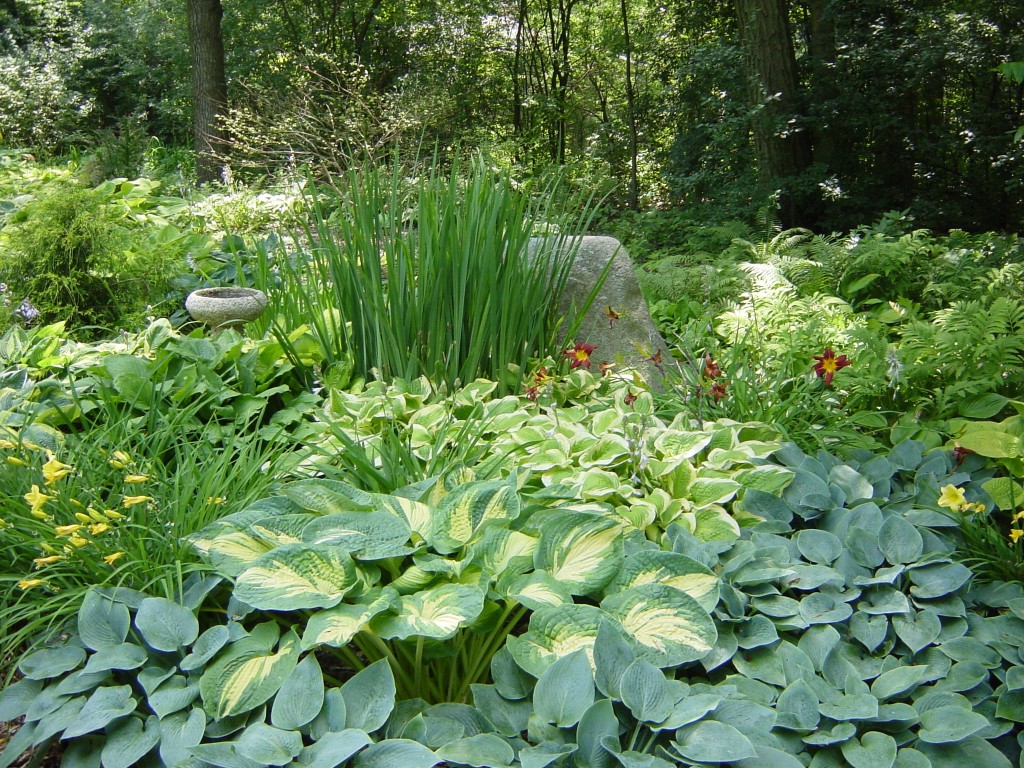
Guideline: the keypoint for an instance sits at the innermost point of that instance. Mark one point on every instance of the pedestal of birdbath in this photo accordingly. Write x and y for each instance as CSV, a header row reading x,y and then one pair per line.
x,y
223,308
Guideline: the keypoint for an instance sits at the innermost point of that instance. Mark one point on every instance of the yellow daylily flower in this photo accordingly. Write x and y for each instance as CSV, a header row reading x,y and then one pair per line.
x,y
54,470
131,501
952,497
3,523
112,514
37,500
5,443
112,558
1015,534
78,541
136,478
29,583
97,528
14,461
83,518
39,562
120,459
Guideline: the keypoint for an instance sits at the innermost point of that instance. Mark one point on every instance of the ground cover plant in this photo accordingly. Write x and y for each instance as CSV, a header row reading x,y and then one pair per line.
x,y
803,549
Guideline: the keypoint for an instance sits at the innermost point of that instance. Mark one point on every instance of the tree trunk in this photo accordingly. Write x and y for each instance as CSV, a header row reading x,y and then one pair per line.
x,y
209,87
634,183
783,148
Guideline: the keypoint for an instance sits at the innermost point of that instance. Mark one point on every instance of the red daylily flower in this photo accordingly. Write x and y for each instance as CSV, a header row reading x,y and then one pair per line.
x,y
718,390
579,355
711,369
612,315
828,364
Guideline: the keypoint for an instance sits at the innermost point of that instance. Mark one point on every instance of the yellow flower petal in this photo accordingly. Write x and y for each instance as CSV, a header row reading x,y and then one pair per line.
x,y
952,497
67,530
131,501
39,562
36,498
16,462
54,470
112,558
112,514
120,459
97,528
78,541
136,478
1015,534
29,583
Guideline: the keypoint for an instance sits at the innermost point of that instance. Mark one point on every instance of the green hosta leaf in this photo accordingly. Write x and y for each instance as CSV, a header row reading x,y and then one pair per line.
x,y
332,749
267,745
467,509
65,716
872,750
646,692
205,648
51,662
103,707
598,732
509,680
438,612
369,697
854,706
535,590
129,741
1010,704
854,485
338,625
1007,493
301,696
948,724
819,546
669,626
165,625
16,698
554,633
364,535
715,524
756,632
713,742
296,576
124,656
565,690
671,569
973,751
172,696
544,754
510,718
396,753
870,631
917,630
797,707
991,443
102,622
247,675
222,754
326,497
983,406
767,757
900,541
824,608
485,750
581,551
898,681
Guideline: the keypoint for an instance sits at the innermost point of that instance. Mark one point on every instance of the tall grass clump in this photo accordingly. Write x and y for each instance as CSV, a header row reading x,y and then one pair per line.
x,y
443,275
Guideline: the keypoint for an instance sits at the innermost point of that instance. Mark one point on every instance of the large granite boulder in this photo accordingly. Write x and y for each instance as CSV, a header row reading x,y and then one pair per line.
x,y
618,324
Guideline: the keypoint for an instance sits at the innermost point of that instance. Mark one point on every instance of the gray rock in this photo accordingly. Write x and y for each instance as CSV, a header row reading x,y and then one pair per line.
x,y
617,340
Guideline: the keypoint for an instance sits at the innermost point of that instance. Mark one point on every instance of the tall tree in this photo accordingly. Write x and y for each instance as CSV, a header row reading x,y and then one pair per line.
x,y
209,86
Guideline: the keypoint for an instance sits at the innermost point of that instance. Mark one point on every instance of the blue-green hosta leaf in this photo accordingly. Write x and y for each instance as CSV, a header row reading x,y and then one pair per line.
x,y
51,662
898,681
205,647
944,725
870,631
819,546
544,754
433,732
668,626
554,633
1010,704
900,541
883,599
437,612
565,690
756,632
369,697
172,696
535,590
871,750
104,706
973,751
16,698
267,745
938,580
338,625
854,485
297,576
797,707
326,497
762,664
917,630
510,718
364,535
712,742
646,692
102,622
582,551
671,569
179,733
165,625
128,741
124,656
485,750
840,732
852,706
300,697
247,675
396,753
222,754
824,608
509,679
332,749
467,509
65,716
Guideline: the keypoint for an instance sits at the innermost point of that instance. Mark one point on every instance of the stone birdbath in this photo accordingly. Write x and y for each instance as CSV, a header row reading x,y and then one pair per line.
x,y
223,308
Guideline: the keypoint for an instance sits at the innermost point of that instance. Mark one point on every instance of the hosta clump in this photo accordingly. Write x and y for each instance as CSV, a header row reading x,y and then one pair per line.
x,y
435,578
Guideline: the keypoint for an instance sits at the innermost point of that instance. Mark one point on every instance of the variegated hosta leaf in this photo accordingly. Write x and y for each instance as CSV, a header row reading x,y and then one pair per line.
x,y
609,451
580,550
536,590
338,625
281,529
326,497
468,508
554,633
499,549
247,675
229,548
715,524
667,626
364,535
671,569
297,576
712,490
674,444
437,612
415,513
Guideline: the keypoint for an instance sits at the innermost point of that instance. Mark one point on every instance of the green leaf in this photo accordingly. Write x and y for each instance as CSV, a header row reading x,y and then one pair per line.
x,y
973,751
102,622
797,707
51,662
484,750
1010,705
1006,492
554,633
205,648
267,745
544,754
327,497
247,675
898,681
364,535
338,625
938,580
332,749
598,729
535,590
870,631
437,612
917,630
301,696
646,692
991,443
872,750
165,625
128,741
16,698
369,697
668,626
509,680
671,569
396,753
767,757
900,541
510,718
581,551
172,696
296,576
179,733
944,725
713,742
565,690
612,657
983,406
819,546
464,511
124,656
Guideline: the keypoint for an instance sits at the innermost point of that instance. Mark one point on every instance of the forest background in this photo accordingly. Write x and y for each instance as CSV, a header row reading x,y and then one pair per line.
x,y
836,111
